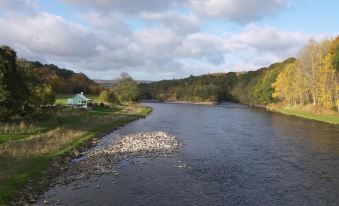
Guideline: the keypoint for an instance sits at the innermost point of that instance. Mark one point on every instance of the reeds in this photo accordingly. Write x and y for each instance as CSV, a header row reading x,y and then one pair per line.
x,y
18,127
40,143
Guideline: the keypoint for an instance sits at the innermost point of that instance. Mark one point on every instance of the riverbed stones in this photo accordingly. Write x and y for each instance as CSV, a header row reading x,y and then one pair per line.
x,y
102,160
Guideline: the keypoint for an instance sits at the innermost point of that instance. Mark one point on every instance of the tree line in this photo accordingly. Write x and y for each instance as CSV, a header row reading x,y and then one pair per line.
x,y
22,90
311,78
62,81
244,87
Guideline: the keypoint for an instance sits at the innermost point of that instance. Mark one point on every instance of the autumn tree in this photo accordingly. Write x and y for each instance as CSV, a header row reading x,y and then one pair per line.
x,y
106,96
126,89
311,79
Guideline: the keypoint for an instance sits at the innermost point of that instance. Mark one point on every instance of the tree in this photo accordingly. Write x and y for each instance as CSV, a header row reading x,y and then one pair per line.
x,y
327,90
106,96
311,79
284,86
21,91
126,89
40,93
14,91
335,52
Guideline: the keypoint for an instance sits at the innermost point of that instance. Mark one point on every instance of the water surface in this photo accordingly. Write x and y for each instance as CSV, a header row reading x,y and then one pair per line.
x,y
231,155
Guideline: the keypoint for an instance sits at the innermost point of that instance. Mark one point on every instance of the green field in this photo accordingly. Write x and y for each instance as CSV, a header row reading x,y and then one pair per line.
x,y
27,149
328,117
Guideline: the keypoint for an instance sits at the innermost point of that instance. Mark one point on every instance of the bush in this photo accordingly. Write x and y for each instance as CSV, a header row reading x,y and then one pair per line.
x,y
126,89
106,96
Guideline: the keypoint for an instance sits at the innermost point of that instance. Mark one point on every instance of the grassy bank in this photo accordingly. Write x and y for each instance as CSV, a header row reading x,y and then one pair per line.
x,y
27,149
308,112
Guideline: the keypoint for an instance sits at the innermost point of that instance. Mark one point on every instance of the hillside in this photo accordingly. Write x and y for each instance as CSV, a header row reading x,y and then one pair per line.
x,y
253,87
310,79
109,83
62,80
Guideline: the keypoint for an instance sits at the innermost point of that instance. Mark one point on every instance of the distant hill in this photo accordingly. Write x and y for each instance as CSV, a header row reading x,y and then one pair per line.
x,y
252,87
62,80
109,83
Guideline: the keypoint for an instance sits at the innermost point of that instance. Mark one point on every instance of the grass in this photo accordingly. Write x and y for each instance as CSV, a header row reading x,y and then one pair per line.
x,y
26,151
308,112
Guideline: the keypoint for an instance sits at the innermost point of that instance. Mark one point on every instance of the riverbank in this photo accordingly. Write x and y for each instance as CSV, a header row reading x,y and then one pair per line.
x,y
103,160
32,153
307,112
191,102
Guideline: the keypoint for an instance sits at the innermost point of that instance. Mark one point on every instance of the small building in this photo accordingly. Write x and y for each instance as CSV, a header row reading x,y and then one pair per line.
x,y
79,101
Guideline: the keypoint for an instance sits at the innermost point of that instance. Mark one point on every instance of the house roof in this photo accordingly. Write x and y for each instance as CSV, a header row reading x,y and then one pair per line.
x,y
81,96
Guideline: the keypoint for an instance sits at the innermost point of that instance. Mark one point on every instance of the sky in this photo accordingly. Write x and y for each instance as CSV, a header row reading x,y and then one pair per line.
x,y
163,39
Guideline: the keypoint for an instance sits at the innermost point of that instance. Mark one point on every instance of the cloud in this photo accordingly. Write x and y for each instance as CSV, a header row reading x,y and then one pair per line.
x,y
17,5
126,6
260,46
170,43
179,23
266,39
203,47
47,35
240,11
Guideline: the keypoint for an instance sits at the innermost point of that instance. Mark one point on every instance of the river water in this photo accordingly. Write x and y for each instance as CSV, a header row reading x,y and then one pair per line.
x,y
231,155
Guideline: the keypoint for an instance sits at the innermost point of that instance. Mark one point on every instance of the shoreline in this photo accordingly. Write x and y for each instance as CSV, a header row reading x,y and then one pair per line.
x,y
299,112
329,118
177,102
45,168
188,102
101,161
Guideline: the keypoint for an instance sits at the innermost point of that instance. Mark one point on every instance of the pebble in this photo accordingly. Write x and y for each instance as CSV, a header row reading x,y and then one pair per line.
x,y
103,160
32,201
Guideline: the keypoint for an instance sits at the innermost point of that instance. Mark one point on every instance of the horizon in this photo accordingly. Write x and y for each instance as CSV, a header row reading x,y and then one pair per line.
x,y
161,40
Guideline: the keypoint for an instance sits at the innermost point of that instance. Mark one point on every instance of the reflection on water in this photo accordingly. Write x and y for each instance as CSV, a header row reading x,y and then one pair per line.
x,y
231,155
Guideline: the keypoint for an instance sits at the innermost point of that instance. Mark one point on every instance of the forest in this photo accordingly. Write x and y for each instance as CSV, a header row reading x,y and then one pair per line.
x,y
244,87
62,80
310,78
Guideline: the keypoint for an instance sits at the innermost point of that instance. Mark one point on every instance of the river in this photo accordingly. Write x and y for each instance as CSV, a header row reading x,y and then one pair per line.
x,y
230,155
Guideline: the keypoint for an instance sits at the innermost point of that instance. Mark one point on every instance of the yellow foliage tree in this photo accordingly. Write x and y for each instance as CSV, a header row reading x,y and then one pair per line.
x,y
311,79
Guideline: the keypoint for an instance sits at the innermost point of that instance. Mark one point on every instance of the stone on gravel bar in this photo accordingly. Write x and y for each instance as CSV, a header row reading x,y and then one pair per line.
x,y
101,161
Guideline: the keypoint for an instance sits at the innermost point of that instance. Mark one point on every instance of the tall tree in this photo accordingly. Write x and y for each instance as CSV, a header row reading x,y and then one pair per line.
x,y
21,91
312,79
14,91
126,89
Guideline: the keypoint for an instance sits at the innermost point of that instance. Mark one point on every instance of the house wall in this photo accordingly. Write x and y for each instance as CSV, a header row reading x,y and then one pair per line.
x,y
76,100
